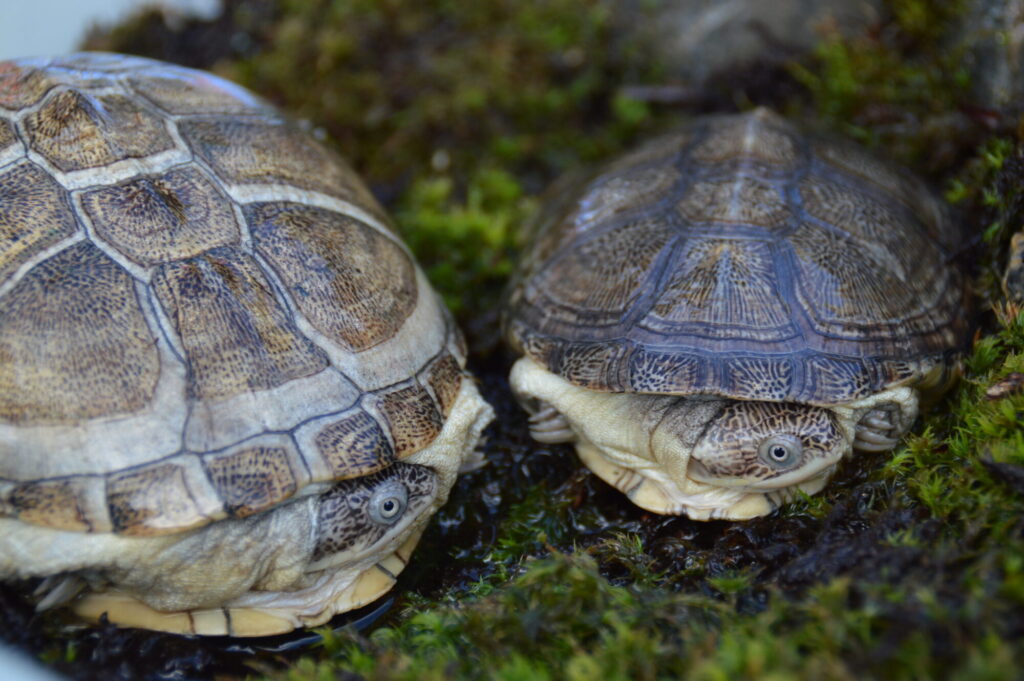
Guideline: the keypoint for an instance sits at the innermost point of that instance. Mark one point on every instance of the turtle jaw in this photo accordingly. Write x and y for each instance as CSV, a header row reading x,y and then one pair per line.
x,y
819,468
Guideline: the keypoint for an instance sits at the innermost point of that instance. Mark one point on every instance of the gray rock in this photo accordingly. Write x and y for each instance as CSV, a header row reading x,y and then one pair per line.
x,y
701,38
992,36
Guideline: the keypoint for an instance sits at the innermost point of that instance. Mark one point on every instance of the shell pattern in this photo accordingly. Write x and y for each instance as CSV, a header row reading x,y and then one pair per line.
x,y
202,309
742,258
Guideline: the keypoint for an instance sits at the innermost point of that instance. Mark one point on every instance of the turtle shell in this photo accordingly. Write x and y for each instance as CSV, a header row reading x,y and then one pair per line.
x,y
203,311
742,258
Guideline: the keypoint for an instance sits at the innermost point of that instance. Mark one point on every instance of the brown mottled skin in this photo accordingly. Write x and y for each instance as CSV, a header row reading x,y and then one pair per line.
x,y
206,322
793,278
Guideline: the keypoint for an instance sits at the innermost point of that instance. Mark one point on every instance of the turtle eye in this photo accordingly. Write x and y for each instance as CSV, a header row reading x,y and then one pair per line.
x,y
781,451
388,502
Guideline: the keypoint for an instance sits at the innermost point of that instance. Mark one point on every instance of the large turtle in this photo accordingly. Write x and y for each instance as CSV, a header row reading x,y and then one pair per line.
x,y
229,399
718,318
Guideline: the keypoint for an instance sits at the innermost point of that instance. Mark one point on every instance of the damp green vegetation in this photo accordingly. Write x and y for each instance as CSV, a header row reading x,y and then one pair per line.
x,y
908,566
483,222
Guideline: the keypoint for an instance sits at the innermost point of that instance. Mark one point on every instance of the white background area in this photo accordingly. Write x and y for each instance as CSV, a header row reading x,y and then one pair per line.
x,y
33,28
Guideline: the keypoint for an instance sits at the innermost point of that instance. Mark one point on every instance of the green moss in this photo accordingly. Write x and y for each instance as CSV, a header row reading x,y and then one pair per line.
x,y
466,244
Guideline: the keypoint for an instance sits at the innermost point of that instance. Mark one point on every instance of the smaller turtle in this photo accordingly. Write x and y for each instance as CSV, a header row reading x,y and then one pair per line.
x,y
717,319
230,401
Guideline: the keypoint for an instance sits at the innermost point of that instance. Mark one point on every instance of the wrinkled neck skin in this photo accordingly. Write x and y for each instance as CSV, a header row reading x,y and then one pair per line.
x,y
666,452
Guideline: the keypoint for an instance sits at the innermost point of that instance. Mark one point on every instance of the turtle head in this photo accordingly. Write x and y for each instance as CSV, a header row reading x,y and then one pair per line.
x,y
764,446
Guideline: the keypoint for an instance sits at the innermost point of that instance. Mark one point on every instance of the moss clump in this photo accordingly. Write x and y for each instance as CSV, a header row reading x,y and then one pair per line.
x,y
466,243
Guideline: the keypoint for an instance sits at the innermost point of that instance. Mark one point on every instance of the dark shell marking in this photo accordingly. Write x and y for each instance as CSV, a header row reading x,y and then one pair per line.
x,y
251,479
354,445
744,259
160,225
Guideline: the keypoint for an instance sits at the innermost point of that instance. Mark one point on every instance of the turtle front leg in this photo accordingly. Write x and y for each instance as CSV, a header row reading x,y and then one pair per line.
x,y
879,430
548,425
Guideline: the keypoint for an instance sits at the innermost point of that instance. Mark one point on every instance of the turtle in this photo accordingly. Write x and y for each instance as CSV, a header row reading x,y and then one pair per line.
x,y
718,317
230,400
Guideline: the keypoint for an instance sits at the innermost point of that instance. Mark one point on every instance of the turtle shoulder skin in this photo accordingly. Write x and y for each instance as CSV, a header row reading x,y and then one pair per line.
x,y
229,399
717,318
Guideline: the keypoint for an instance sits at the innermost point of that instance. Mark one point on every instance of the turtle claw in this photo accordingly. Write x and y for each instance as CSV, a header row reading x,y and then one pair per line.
x,y
57,590
876,431
549,426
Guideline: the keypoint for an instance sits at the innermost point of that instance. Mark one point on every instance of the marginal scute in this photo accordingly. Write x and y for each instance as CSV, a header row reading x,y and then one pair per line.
x,y
354,445
898,372
445,377
593,365
759,378
544,349
151,501
73,342
35,213
839,379
252,151
664,372
354,284
75,130
151,220
412,416
237,336
251,479
50,503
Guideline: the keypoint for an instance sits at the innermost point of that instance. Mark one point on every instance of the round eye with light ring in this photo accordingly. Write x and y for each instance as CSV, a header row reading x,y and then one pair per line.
x,y
388,502
781,451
